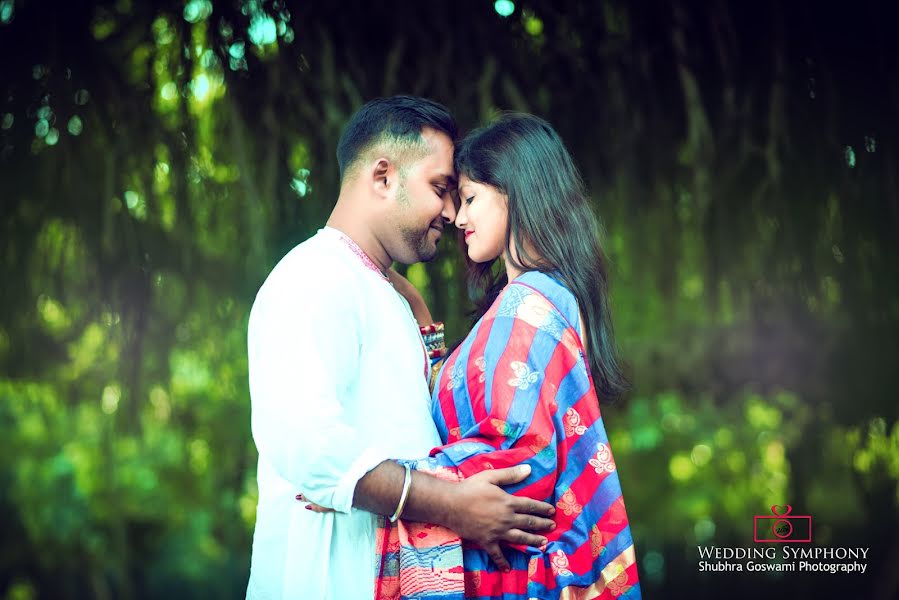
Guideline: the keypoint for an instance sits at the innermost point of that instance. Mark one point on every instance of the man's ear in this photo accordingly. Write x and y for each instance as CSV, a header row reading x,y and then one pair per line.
x,y
384,177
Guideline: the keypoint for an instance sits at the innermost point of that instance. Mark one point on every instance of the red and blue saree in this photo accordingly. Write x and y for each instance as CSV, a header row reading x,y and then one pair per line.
x,y
518,390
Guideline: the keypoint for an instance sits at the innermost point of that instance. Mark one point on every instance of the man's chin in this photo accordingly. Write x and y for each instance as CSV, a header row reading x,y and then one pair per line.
x,y
423,246
427,250
427,254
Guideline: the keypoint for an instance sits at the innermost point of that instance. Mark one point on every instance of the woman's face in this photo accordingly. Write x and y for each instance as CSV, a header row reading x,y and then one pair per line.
x,y
483,215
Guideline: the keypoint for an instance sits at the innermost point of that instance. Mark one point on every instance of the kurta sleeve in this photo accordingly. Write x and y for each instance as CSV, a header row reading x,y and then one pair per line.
x,y
302,346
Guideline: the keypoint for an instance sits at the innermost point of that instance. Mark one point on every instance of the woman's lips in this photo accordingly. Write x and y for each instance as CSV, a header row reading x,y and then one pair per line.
x,y
468,234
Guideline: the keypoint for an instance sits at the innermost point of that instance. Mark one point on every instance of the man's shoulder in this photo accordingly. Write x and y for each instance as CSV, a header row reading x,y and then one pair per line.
x,y
313,269
319,257
316,254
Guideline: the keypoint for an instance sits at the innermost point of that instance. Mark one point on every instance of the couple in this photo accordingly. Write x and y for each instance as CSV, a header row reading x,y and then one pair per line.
x,y
339,379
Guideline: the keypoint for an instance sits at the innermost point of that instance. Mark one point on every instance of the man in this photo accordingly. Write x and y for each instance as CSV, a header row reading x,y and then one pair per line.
x,y
338,374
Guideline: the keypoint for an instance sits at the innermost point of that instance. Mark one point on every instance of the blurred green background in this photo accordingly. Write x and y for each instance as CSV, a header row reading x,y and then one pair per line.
x,y
157,159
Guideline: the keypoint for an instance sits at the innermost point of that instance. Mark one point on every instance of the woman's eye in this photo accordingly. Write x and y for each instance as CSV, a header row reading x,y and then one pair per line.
x,y
469,199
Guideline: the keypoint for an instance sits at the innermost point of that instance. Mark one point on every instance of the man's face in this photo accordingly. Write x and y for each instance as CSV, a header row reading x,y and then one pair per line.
x,y
424,202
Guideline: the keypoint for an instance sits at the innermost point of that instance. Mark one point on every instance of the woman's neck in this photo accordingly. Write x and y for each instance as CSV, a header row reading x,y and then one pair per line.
x,y
512,273
511,270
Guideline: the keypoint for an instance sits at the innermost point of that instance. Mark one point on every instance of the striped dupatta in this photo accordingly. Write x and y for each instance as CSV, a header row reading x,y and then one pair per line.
x,y
518,390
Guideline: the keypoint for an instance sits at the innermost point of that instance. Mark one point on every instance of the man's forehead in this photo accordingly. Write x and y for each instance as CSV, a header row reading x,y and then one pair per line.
x,y
447,177
433,135
440,157
438,141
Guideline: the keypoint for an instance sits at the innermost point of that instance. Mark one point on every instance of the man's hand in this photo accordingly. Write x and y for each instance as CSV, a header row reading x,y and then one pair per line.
x,y
482,512
478,509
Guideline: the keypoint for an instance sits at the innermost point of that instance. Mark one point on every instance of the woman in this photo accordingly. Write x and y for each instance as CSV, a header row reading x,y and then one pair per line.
x,y
524,385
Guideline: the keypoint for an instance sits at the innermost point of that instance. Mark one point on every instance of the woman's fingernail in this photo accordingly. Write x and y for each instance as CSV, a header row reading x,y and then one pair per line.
x,y
506,569
300,497
308,507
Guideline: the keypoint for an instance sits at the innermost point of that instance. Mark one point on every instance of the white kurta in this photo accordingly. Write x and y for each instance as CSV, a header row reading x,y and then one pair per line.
x,y
337,385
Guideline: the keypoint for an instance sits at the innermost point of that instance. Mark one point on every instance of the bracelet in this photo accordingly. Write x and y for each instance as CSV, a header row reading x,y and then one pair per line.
x,y
407,483
433,337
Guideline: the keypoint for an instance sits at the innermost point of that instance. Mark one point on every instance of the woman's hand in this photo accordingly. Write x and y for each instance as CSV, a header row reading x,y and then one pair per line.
x,y
314,507
408,291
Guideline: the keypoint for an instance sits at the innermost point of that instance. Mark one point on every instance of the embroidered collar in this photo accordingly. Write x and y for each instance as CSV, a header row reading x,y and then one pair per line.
x,y
365,258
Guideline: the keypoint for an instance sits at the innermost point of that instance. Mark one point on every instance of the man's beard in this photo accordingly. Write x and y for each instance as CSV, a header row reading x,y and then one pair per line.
x,y
420,243
416,240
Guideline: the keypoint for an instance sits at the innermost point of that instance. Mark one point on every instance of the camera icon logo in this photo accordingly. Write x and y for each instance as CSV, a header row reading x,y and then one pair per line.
x,y
782,527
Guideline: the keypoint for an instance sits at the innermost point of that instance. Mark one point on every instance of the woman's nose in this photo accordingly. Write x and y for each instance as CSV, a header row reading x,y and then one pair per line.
x,y
461,220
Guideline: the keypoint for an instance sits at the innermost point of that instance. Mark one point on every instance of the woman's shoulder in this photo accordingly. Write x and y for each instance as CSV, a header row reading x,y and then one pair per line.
x,y
550,286
548,283
539,299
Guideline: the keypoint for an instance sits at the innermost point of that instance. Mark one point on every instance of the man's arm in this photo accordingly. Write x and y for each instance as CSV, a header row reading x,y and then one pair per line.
x,y
311,444
298,365
476,508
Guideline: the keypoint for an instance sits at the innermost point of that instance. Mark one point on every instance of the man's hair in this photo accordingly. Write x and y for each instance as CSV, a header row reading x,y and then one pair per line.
x,y
395,123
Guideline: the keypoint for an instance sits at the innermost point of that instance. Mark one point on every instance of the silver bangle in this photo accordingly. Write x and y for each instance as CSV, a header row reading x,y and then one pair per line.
x,y
407,483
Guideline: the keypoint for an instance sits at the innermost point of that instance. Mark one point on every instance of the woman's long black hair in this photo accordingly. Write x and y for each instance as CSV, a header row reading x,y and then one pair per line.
x,y
525,159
